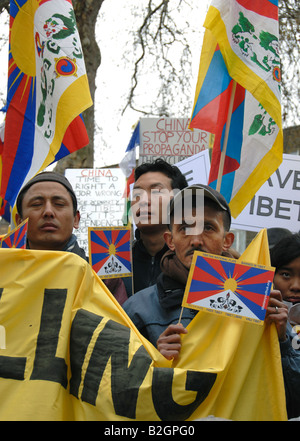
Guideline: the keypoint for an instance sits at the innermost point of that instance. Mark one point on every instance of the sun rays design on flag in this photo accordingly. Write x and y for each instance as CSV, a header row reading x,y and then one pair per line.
x,y
229,283
43,119
110,251
17,238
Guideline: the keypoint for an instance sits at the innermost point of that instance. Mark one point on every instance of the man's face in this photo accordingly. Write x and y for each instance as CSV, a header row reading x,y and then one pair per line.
x,y
49,207
212,238
150,198
287,280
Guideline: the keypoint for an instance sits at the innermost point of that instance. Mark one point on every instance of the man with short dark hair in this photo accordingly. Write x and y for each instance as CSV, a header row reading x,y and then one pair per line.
x,y
153,309
155,184
49,202
202,224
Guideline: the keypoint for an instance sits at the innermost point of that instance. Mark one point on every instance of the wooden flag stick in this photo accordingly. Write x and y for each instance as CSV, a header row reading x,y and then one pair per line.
x,y
179,321
223,153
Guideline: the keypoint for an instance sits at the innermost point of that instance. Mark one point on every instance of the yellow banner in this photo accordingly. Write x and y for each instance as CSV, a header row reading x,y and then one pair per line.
x,y
68,351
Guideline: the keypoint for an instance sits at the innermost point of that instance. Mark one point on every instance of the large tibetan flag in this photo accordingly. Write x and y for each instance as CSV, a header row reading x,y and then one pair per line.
x,y
47,91
110,251
238,88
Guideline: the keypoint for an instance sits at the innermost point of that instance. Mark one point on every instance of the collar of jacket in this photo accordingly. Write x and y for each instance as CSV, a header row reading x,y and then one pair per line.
x,y
170,291
140,245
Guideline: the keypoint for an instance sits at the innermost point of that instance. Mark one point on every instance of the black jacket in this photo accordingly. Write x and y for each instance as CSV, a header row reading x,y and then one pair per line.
x,y
146,268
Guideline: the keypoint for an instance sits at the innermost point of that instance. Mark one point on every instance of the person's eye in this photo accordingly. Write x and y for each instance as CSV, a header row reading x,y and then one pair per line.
x,y
135,195
183,228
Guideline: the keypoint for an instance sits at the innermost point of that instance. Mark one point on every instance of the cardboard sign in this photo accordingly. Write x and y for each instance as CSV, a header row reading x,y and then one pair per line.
x,y
170,139
100,199
110,252
225,286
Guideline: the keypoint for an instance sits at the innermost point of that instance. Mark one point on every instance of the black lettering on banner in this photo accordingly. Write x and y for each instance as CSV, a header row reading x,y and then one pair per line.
x,y
113,342
83,327
46,365
166,408
12,367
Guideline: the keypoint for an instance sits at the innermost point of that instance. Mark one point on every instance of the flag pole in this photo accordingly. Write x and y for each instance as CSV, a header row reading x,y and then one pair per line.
x,y
223,153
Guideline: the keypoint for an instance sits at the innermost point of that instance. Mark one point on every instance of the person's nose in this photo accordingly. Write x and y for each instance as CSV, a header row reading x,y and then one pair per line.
x,y
48,210
295,285
196,240
144,199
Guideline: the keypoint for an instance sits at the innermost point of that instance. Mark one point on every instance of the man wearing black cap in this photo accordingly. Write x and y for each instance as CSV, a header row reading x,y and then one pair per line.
x,y
48,200
199,219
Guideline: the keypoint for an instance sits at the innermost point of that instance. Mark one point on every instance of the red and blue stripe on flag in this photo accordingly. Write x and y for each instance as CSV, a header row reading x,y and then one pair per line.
x,y
16,238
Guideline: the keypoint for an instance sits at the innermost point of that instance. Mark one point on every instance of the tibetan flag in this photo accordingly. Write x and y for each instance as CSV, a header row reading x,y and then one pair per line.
x,y
224,286
17,237
110,251
127,165
47,91
239,88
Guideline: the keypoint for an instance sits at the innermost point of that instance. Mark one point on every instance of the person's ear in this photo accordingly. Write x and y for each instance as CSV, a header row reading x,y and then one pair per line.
x,y
76,220
18,219
169,240
228,241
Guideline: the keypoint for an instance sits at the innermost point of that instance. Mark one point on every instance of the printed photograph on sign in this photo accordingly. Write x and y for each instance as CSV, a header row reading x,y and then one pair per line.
x,y
224,286
110,251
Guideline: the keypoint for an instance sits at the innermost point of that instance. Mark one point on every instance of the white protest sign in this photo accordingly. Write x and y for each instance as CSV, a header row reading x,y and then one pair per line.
x,y
169,139
277,202
196,168
100,199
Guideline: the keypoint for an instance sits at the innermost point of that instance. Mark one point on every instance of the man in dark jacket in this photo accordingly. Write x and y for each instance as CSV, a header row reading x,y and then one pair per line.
x,y
155,183
49,202
156,310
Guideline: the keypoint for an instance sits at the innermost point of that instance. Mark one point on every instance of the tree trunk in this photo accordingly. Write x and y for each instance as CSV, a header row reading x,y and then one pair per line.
x,y
86,15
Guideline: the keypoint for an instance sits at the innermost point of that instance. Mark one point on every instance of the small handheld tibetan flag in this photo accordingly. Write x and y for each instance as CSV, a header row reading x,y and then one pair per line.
x,y
17,237
110,251
224,286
